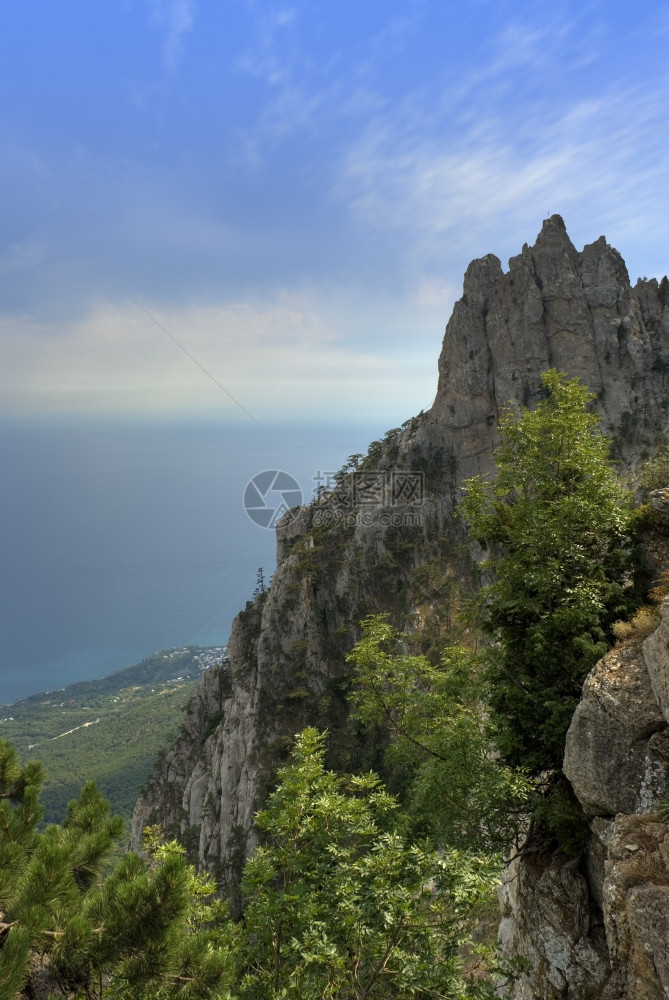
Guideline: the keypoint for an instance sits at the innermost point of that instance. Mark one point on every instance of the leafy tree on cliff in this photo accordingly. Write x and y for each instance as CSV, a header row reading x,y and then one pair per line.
x,y
439,734
143,931
554,523
340,906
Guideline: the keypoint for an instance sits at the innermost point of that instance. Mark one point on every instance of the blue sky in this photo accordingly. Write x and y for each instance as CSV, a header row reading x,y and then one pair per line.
x,y
294,190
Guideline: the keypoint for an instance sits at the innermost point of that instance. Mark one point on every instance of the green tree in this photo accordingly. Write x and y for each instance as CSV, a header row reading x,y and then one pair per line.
x,y
339,905
654,474
440,736
146,930
555,523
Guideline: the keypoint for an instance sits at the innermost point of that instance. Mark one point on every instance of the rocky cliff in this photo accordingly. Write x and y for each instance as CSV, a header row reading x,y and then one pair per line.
x,y
597,926
394,546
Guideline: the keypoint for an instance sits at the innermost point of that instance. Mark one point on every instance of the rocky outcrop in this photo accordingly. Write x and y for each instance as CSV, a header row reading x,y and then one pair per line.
x,y
636,910
606,934
554,308
344,556
615,754
598,932
549,920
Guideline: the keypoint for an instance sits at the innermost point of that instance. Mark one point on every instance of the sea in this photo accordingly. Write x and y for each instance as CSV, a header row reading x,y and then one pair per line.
x,y
120,538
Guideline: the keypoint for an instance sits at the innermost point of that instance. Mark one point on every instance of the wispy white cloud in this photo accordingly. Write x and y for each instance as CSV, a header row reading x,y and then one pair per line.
x,y
604,159
279,361
468,149
551,41
297,90
175,19
390,40
268,57
376,204
303,90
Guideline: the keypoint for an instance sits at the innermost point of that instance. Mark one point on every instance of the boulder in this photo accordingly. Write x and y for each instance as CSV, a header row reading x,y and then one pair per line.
x,y
610,759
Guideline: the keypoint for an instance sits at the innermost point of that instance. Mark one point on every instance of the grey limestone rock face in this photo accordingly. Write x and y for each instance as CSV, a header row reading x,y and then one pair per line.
x,y
617,747
609,758
636,911
617,760
548,919
656,658
553,307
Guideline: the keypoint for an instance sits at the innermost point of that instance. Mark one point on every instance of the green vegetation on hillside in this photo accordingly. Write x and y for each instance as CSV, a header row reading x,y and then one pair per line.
x,y
107,730
340,904
440,737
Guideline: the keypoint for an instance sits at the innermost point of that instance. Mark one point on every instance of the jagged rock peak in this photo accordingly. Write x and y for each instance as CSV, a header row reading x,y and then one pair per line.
x,y
555,307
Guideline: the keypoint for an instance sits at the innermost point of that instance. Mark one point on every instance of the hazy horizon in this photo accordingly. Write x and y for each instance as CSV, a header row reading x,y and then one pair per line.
x,y
117,540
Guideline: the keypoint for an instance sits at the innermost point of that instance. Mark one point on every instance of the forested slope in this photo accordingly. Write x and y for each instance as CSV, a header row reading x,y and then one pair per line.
x,y
108,730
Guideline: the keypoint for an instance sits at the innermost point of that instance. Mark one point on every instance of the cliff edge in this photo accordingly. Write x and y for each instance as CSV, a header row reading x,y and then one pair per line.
x,y
553,307
597,926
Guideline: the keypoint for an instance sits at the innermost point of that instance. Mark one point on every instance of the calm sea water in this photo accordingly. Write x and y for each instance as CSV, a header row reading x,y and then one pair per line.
x,y
119,540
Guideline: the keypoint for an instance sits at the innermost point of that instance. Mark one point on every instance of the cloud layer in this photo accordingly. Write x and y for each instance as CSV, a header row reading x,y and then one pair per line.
x,y
230,364
296,190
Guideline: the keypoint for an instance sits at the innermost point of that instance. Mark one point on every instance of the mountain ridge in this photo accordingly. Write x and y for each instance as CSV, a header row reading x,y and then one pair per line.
x,y
553,307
